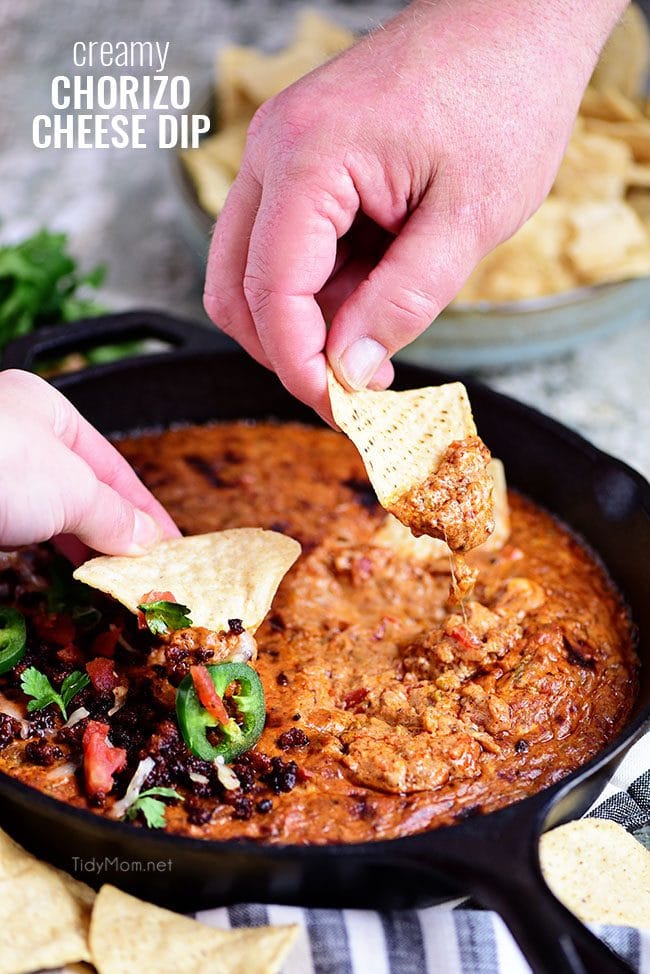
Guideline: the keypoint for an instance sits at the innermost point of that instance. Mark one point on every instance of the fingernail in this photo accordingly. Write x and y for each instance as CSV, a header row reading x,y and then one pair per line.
x,y
360,361
146,532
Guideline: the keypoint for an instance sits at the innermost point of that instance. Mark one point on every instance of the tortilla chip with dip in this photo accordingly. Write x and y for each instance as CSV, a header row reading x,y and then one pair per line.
x,y
423,457
128,935
397,537
57,933
223,575
599,871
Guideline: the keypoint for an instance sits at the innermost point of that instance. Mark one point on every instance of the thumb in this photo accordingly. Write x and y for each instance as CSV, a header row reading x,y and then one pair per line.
x,y
63,495
99,516
104,521
422,270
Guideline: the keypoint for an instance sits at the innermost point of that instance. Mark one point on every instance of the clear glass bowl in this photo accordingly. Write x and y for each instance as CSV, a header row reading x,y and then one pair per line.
x,y
487,336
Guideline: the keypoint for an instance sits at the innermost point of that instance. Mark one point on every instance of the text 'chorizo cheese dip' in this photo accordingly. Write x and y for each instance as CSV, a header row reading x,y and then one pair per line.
x,y
388,710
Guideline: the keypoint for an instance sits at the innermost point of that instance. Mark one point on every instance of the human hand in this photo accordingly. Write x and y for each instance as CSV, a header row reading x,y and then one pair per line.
x,y
371,188
60,477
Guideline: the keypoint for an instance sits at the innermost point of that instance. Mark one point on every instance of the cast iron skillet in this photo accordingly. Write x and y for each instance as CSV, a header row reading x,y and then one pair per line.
x,y
494,857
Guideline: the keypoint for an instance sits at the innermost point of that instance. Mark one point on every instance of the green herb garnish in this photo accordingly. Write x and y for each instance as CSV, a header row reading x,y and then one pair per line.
x,y
40,285
162,617
153,810
36,685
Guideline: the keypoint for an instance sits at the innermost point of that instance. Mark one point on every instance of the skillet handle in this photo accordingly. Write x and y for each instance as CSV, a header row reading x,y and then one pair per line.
x,y
496,859
105,329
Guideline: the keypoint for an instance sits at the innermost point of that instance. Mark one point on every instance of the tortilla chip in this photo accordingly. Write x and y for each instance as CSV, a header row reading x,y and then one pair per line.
x,y
57,933
639,175
529,265
396,536
604,235
635,134
599,871
219,576
128,935
610,105
401,436
639,200
594,167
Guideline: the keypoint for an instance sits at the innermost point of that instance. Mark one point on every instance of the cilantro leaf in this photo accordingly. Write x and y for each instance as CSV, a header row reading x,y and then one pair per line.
x,y
153,810
162,617
40,285
36,685
72,685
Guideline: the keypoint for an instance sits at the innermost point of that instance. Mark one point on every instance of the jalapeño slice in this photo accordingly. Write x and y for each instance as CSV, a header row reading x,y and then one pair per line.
x,y
13,637
237,735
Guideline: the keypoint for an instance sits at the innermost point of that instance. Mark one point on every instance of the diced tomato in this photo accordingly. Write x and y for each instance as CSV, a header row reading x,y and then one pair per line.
x,y
465,637
104,644
58,629
102,676
208,696
70,655
157,597
152,597
101,759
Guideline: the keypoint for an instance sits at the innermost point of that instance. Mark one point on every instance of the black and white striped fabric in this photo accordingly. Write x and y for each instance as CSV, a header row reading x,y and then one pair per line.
x,y
447,939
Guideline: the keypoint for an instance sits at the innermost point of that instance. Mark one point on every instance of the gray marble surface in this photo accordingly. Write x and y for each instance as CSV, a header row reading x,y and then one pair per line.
x,y
121,207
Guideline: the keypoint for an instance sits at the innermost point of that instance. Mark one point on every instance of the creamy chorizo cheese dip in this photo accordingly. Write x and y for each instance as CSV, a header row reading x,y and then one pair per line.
x,y
390,708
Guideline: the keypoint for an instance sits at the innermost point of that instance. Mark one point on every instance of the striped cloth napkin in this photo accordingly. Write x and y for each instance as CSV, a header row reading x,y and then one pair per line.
x,y
451,938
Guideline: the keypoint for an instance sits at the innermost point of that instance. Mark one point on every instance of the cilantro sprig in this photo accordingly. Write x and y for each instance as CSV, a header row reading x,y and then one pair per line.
x,y
162,617
36,685
152,809
40,285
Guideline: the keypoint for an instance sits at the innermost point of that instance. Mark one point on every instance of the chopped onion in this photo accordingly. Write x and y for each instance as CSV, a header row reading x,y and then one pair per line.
x,y
119,696
76,716
246,648
226,775
200,779
63,771
134,787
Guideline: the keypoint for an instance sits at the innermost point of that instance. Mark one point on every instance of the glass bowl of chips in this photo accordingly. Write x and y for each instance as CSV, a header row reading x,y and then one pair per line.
x,y
579,268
